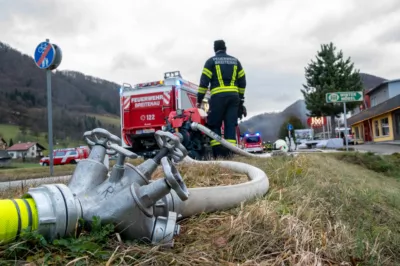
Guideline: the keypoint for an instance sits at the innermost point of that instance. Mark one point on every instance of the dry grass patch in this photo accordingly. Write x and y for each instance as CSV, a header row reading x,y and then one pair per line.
x,y
318,211
205,175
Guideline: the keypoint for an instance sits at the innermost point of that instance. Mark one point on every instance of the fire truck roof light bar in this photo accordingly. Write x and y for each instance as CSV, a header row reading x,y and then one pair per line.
x,y
149,84
172,74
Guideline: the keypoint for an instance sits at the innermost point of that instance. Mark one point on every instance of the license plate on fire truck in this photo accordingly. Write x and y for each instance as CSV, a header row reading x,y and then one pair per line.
x,y
253,149
144,131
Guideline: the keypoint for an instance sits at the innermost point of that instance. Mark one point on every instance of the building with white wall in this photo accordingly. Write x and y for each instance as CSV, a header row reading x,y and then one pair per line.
x,y
26,150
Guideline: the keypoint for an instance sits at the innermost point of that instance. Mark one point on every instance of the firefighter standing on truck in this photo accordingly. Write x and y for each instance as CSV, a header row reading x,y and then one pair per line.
x,y
227,80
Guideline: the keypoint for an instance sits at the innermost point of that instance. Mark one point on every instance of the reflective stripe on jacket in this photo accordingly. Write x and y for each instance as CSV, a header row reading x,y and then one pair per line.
x,y
222,73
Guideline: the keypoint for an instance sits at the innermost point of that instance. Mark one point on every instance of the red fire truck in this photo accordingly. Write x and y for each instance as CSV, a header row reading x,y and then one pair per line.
x,y
145,108
67,156
252,143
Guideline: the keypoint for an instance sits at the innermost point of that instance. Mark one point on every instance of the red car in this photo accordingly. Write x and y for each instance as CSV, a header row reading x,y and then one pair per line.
x,y
66,156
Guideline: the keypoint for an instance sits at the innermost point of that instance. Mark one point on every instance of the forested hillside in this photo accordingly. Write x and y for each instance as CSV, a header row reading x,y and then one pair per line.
x,y
268,124
80,102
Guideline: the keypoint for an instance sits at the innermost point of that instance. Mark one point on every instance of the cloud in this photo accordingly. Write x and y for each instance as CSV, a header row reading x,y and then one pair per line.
x,y
56,18
128,61
391,33
346,17
137,41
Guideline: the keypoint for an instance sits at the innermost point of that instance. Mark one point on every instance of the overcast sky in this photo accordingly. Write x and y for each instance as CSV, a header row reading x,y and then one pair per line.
x,y
137,41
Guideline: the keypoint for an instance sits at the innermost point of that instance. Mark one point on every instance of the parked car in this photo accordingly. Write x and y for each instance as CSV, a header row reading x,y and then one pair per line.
x,y
66,156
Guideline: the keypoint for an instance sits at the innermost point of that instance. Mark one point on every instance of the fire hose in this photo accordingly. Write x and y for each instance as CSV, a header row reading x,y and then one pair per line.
x,y
140,208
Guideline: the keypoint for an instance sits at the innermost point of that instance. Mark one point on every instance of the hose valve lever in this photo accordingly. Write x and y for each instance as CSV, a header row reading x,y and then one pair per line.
x,y
100,136
121,150
174,179
168,140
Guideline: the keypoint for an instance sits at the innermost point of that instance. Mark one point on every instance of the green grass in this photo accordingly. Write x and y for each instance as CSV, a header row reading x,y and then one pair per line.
x,y
28,171
319,210
21,171
388,165
12,132
108,119
15,165
8,132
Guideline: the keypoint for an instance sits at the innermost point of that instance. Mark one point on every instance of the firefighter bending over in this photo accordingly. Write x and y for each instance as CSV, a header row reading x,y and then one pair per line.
x,y
227,80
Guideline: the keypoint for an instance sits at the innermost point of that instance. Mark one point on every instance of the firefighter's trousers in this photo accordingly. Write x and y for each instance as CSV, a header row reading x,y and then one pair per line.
x,y
223,107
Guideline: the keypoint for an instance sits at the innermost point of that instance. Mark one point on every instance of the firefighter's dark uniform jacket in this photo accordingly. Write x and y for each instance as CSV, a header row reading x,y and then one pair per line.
x,y
225,76
224,73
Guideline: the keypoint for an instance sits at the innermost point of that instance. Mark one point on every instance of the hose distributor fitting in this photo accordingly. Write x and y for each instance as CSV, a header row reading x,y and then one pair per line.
x,y
140,209
133,212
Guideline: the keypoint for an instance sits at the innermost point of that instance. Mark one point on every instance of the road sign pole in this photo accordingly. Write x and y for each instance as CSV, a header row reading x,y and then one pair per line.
x,y
48,57
345,126
344,97
50,119
289,128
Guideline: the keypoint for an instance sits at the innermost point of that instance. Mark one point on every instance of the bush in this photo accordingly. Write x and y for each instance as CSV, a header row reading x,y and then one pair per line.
x,y
386,164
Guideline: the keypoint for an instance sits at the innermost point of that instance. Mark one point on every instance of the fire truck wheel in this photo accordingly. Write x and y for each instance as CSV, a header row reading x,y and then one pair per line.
x,y
45,164
72,162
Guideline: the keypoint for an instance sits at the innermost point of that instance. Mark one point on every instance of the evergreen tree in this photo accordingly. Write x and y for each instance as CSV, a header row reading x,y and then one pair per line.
x,y
11,143
329,73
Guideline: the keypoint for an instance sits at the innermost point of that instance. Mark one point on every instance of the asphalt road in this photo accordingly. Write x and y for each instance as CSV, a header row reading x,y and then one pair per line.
x,y
378,148
33,182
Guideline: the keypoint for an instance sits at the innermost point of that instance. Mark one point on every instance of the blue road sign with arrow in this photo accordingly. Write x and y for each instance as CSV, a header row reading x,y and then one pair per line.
x,y
44,55
289,127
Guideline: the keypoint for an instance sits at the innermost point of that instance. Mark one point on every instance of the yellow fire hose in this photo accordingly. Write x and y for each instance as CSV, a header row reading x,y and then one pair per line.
x,y
17,215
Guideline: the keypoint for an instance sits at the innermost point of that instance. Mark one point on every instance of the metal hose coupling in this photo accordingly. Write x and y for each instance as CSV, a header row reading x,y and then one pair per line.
x,y
57,210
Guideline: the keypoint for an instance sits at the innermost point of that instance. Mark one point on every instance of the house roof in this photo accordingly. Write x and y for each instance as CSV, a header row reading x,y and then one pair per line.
x,y
381,84
382,108
24,146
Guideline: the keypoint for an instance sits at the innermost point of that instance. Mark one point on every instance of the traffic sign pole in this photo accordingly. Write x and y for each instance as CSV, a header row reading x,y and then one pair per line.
x,y
48,57
50,119
290,127
344,97
345,126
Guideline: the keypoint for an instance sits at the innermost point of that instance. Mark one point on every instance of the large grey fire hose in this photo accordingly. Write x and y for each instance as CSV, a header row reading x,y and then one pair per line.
x,y
233,148
141,208
210,199
214,136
